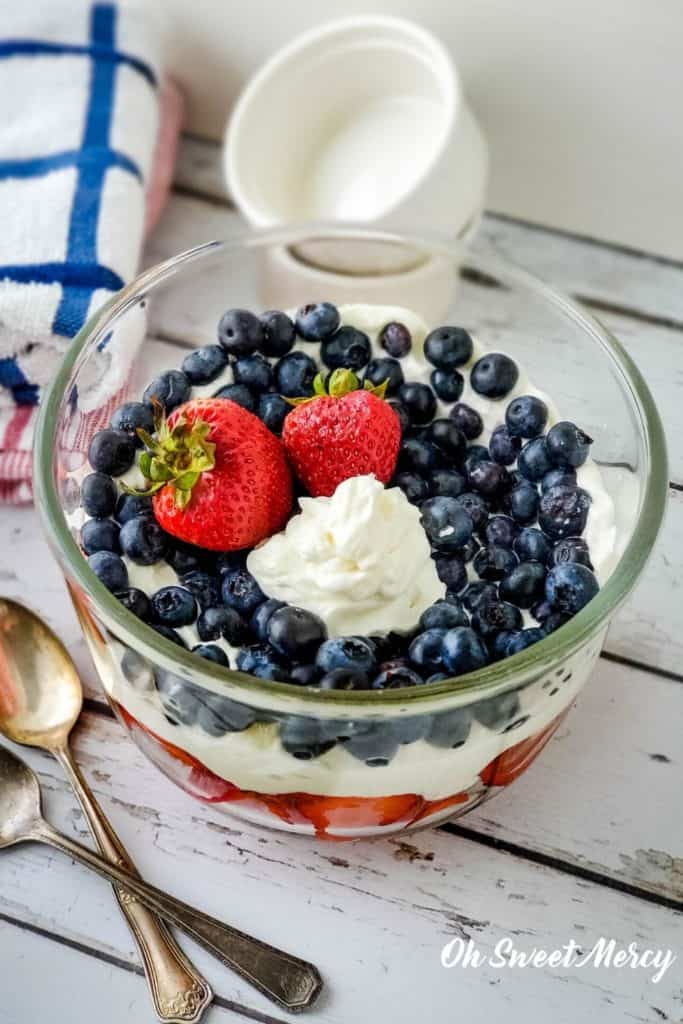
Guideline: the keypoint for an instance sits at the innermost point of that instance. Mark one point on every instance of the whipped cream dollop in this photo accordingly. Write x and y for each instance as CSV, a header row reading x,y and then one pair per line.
x,y
359,559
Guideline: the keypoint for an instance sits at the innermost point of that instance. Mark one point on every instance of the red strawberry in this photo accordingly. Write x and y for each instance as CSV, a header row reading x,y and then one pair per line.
x,y
220,479
346,432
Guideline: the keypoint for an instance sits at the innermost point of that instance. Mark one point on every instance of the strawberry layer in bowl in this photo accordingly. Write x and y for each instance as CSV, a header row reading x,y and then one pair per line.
x,y
343,572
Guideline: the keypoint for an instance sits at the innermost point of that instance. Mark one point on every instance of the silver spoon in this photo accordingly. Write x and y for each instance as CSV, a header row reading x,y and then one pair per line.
x,y
40,700
30,651
292,983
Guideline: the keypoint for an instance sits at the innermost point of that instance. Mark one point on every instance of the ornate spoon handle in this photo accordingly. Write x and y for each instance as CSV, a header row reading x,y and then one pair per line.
x,y
290,982
179,993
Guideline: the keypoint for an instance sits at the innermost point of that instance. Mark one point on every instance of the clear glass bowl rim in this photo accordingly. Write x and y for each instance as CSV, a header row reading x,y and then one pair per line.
x,y
507,674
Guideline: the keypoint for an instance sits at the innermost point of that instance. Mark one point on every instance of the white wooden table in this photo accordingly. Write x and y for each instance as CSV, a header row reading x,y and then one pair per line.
x,y
590,845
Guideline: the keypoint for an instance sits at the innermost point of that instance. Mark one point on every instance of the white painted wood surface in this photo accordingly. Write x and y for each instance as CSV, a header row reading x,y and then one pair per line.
x,y
589,843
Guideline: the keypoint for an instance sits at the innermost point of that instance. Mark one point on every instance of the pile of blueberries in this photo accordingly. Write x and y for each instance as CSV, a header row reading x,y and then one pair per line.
x,y
511,512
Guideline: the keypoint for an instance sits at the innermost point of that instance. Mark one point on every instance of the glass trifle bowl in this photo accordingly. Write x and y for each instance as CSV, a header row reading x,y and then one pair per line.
x,y
346,763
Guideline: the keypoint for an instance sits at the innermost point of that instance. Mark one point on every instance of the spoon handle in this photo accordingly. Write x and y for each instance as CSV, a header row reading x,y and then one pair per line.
x,y
179,993
290,982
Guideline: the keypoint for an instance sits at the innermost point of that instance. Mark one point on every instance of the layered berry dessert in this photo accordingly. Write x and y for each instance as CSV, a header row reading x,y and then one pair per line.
x,y
342,499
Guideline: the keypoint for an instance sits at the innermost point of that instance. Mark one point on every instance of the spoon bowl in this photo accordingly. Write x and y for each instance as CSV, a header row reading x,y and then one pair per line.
x,y
19,800
40,692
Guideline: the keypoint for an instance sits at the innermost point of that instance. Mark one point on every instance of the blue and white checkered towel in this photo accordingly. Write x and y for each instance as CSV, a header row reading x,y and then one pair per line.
x,y
78,125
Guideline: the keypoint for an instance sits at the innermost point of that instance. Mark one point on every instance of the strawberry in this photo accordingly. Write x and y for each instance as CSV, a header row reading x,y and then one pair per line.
x,y
341,432
220,479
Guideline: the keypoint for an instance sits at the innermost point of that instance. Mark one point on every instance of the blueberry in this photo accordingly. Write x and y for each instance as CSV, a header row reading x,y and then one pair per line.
x,y
305,675
447,524
100,535
490,617
402,413
240,394
415,487
448,384
183,557
217,715
450,729
348,348
253,371
240,332
98,495
295,633
568,445
419,455
532,545
524,585
476,507
349,652
109,569
504,448
502,531
111,452
394,676
137,671
205,588
380,370
373,743
169,634
561,476
425,650
463,651
344,679
128,506
180,699
173,606
263,661
142,540
475,454
498,643
489,479
479,591
467,420
217,622
572,549
494,375
131,417
526,416
294,375
569,587
525,638
563,512
419,400
554,621
395,339
497,713
534,460
229,561
447,482
317,321
522,503
212,653
204,364
261,617
444,615
170,389
492,562
136,601
452,572
304,738
448,347
272,410
279,333
241,591
409,728
447,438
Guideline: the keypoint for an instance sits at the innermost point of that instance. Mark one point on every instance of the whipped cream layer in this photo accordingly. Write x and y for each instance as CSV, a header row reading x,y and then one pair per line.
x,y
359,559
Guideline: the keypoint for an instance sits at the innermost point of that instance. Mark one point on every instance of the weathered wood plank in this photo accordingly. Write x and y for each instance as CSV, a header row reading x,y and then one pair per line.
x,y
405,899
603,274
